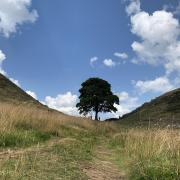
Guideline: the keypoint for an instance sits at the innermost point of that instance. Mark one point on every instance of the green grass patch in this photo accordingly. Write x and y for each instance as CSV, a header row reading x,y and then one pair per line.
x,y
153,169
22,138
60,161
46,164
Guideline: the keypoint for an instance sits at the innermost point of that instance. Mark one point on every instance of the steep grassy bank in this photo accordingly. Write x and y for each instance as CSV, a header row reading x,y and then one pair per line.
x,y
39,144
11,93
162,111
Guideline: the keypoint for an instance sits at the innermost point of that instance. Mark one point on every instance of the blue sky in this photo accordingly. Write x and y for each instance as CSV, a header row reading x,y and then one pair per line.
x,y
50,48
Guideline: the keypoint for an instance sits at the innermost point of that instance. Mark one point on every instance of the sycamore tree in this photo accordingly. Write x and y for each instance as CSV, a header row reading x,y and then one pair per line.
x,y
96,96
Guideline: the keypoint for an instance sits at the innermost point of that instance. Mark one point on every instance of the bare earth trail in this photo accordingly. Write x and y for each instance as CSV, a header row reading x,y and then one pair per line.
x,y
14,153
100,168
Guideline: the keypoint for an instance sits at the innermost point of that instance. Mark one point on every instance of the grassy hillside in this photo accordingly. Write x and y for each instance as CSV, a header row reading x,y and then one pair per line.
x,y
10,93
161,111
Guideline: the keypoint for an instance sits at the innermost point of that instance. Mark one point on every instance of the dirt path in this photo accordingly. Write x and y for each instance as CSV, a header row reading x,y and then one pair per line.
x,y
102,168
13,153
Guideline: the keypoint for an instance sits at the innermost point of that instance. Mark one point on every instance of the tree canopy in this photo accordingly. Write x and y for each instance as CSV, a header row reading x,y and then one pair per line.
x,y
96,96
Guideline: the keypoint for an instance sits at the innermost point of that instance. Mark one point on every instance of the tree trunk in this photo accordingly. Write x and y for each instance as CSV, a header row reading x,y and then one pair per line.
x,y
96,116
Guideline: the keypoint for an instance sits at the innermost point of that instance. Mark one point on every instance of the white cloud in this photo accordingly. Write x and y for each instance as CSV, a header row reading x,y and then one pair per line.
x,y
109,62
127,104
159,33
2,58
15,81
121,55
158,85
161,26
66,103
31,93
2,71
134,7
14,13
135,61
159,45
63,102
93,60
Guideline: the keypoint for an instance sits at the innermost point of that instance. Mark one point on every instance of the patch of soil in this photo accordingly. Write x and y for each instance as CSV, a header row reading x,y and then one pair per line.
x,y
101,168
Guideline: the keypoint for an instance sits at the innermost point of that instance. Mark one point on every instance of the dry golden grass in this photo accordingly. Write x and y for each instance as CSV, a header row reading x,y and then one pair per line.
x,y
41,119
145,153
150,153
71,140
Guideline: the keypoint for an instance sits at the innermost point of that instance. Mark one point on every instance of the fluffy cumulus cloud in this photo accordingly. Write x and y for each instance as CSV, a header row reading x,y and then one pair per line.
x,y
66,103
14,13
93,60
127,104
159,34
121,55
158,85
63,102
159,44
31,93
109,63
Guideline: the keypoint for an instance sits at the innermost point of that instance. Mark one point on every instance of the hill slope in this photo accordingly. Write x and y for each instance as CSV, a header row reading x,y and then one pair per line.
x,y
163,110
10,93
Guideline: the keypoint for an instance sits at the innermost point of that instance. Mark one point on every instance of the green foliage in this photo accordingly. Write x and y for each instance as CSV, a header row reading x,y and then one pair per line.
x,y
96,95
